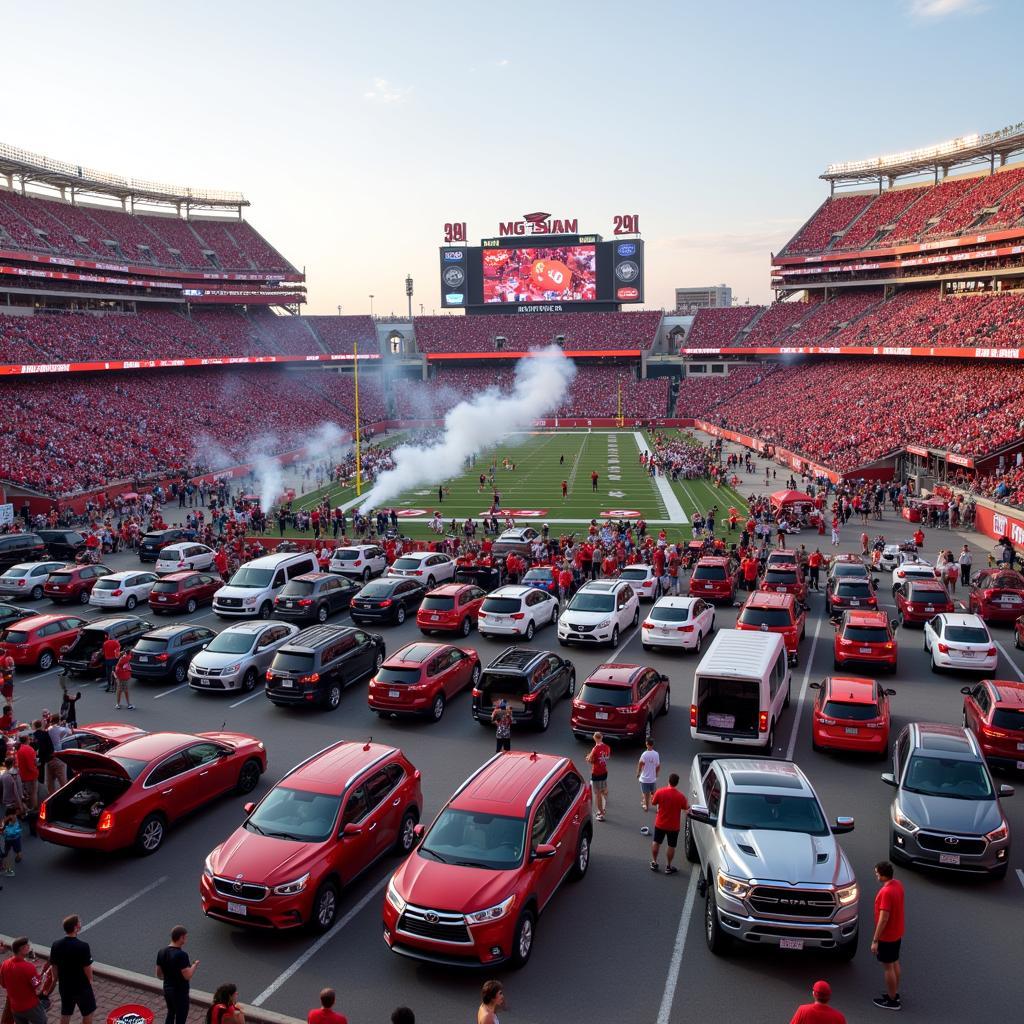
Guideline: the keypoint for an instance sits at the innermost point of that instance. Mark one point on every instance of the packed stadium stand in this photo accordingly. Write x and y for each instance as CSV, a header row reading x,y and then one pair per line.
x,y
771,326
833,215
719,327
699,395
341,333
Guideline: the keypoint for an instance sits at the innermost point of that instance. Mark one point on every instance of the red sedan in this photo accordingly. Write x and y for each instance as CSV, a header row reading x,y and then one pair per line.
x,y
865,636
994,712
183,591
101,736
851,713
129,796
920,600
997,595
73,583
451,608
421,678
39,639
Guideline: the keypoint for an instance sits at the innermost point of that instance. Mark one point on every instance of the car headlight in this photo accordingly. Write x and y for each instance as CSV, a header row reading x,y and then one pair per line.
x,y
292,887
230,669
604,623
733,887
250,600
499,910
902,820
847,895
997,835
394,898
208,865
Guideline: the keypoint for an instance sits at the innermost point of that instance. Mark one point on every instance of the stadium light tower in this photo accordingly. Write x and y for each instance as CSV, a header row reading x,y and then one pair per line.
x,y
408,292
371,305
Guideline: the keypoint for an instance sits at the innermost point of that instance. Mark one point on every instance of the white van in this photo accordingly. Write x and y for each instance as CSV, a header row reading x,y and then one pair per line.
x,y
740,688
252,589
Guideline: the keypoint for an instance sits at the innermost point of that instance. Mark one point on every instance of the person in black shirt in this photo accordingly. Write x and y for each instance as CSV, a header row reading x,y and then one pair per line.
x,y
71,958
175,969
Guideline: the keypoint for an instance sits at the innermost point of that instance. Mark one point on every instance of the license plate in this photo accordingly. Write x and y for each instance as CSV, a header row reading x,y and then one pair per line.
x,y
143,657
204,682
238,908
854,603
161,598
1020,746
602,715
930,608
966,654
721,721
287,684
664,630
502,619
1020,766
394,694
851,730
949,858
709,586
865,650
791,943
435,618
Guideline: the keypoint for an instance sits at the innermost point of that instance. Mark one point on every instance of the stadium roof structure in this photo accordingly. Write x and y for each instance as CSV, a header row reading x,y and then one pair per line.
x,y
960,152
35,169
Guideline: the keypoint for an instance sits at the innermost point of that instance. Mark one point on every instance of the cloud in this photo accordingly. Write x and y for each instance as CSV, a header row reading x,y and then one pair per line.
x,y
503,63
385,91
944,8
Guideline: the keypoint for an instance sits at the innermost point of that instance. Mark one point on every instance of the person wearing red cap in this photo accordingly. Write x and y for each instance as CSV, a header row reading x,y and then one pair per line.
x,y
818,1012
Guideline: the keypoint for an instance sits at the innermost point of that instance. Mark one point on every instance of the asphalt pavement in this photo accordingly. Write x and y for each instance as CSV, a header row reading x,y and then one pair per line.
x,y
624,944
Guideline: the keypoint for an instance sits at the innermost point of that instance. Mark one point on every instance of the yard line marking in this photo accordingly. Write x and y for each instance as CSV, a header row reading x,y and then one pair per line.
x,y
665,1010
803,693
571,480
173,689
318,945
239,703
1013,664
668,496
124,903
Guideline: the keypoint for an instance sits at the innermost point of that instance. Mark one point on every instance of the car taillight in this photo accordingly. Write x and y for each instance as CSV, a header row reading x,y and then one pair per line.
x,y
482,614
843,642
116,593
528,697
477,692
822,720
270,675
417,572
648,624
358,561
21,583
992,734
518,615
872,601
889,645
162,657
42,811
910,607
181,565
313,677
762,722
991,652
684,629
305,602
106,822
386,603
943,648
693,715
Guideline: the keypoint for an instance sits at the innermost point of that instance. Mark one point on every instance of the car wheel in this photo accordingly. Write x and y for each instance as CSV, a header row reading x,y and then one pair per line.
x,y
333,697
530,630
406,833
322,613
131,602
366,575
697,646
151,833
83,597
848,950
430,583
648,729
712,629
325,907
570,690
266,609
771,739
466,626
647,647
248,777
522,940
37,592
437,708
45,661
181,672
718,942
666,704
400,615
689,846
190,606
582,859
249,681
543,717
614,642
378,660
836,663
934,667
789,694
553,621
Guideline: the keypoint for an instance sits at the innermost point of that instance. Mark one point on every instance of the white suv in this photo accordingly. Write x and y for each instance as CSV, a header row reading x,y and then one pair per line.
x,y
361,560
515,610
960,641
598,612
429,567
187,555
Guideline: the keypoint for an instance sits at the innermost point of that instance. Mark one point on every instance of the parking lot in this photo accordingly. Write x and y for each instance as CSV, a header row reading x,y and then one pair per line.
x,y
624,936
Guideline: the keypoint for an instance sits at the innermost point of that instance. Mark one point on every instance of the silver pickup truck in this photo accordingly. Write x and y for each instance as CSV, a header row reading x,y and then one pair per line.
x,y
771,870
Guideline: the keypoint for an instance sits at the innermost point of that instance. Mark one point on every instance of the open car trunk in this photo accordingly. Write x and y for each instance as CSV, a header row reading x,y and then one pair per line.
x,y
86,653
728,707
81,802
498,686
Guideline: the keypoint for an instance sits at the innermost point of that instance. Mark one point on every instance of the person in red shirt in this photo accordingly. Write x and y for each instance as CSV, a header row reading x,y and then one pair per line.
x,y
7,677
565,489
122,677
667,822
564,582
919,537
593,481
324,1013
23,983
7,719
818,1012
220,562
597,758
888,935
749,567
111,652
28,769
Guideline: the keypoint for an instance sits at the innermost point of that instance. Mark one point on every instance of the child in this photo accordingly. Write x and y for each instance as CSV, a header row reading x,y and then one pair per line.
x,y
12,840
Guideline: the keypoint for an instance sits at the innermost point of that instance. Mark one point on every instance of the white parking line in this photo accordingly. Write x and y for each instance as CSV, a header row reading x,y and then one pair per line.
x,y
665,1010
318,945
124,903
173,689
1020,877
239,703
803,693
1010,661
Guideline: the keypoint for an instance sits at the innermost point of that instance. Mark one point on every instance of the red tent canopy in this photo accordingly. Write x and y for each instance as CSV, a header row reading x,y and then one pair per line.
x,y
781,498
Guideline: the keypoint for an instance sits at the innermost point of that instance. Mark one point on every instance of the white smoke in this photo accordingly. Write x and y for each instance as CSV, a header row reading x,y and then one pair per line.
x,y
266,468
477,423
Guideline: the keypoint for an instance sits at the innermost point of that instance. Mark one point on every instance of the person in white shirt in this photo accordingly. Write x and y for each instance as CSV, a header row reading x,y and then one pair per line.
x,y
647,769
56,770
965,559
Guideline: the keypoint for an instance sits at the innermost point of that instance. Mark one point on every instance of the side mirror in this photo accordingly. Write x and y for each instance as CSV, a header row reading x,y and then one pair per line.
x,y
204,646
349,830
888,778
843,825
1005,790
966,690
701,814
890,693
814,686
249,807
666,680
419,831
544,852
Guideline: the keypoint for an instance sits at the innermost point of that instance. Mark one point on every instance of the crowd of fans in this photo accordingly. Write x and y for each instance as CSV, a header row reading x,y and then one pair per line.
x,y
339,333
771,326
717,328
700,394
833,215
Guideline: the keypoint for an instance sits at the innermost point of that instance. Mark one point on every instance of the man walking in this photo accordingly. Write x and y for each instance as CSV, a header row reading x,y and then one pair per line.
x,y
175,969
888,934
814,560
671,804
597,758
647,770
111,652
818,1012
71,958
965,560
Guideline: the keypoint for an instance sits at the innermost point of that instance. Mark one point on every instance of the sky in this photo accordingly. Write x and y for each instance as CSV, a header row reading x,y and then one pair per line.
x,y
358,130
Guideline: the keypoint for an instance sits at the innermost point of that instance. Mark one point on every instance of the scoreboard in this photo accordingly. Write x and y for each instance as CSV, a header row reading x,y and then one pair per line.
x,y
542,273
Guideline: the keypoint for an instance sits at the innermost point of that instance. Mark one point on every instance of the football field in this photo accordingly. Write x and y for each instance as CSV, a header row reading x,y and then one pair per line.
x,y
528,469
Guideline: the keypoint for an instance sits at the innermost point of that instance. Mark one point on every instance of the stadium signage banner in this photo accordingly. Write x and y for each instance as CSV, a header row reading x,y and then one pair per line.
x,y
538,224
27,369
860,350
998,524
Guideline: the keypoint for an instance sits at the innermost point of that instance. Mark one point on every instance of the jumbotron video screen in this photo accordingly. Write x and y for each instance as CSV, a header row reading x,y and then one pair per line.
x,y
566,273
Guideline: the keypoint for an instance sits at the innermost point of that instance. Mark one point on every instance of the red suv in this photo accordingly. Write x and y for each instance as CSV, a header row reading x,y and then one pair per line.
x,y
183,591
785,578
917,601
865,636
994,712
421,678
73,583
713,579
472,890
776,613
851,713
997,595
450,608
38,640
328,820
620,701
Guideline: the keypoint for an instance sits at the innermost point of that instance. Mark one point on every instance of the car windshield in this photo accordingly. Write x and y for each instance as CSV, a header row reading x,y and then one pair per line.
x,y
405,676
612,696
438,604
853,588
775,812
250,577
60,577
132,766
929,595
584,602
473,839
150,645
15,574
538,574
230,643
295,814
406,563
347,554
849,569
850,712
709,572
107,583
296,588
948,776
660,613
633,574
765,617
966,634
379,589
780,576
13,636
866,634
293,661
163,586
501,605
1008,718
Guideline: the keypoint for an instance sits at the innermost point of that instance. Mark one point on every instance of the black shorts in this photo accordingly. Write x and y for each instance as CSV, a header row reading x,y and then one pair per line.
x,y
84,999
889,952
663,836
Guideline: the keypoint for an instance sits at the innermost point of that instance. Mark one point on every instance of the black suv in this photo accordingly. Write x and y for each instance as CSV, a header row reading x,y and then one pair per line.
x,y
85,655
155,541
318,663
64,544
388,599
530,682
21,547
165,653
314,596
11,613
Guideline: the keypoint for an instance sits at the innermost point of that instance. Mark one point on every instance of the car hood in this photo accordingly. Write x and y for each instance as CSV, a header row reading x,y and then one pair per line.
x,y
947,814
242,592
428,883
793,857
211,659
586,617
262,859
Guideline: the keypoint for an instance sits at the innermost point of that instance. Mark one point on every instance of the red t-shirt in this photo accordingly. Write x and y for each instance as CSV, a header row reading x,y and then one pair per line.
x,y
890,897
565,579
323,1015
599,761
817,1013
27,764
21,980
123,669
111,649
671,804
